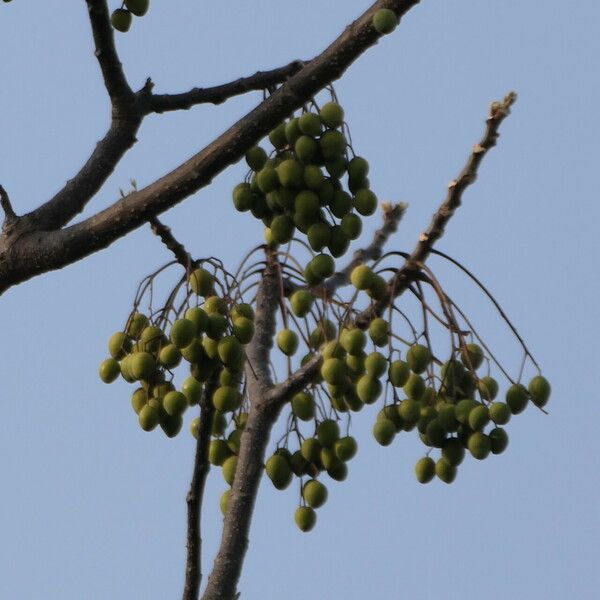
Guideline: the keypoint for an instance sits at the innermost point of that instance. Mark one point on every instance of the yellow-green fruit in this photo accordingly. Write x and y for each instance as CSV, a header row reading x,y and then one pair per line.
x,y
418,358
279,472
242,310
136,324
201,282
141,365
447,416
175,403
226,399
310,124
499,413
345,448
332,114
282,229
498,440
230,351
539,388
351,226
306,149
287,341
243,329
365,202
332,349
305,518
218,452
385,21
151,338
358,168
228,469
516,398
182,332
301,302
378,331
171,424
198,317
292,130
118,345
322,265
463,408
333,371
303,406
243,197
425,469
399,372
139,398
445,471
328,432
333,145
384,432
311,449
230,377
368,389
191,388
290,173
410,410
453,451
488,387
355,364
148,417
219,423
195,427
216,326
138,7
314,493
267,180
479,417
313,177
391,413
378,289
215,305
277,136
414,387
256,158
169,356
435,433
121,19
479,445
234,440
353,341
472,357
224,501
109,370
194,352
298,464
376,364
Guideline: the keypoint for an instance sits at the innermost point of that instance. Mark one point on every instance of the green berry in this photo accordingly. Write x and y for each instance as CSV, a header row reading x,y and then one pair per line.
x,y
539,388
425,469
305,518
385,21
109,370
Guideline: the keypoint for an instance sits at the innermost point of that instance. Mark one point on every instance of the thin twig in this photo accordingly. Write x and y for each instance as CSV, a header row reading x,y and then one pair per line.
x,y
183,257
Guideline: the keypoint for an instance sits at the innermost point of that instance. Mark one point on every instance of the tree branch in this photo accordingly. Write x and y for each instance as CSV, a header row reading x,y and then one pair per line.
x,y
410,270
9,214
36,253
184,258
193,571
296,382
261,80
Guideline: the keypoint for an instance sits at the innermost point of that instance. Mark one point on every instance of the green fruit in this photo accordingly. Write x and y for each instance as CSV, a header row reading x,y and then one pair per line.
x,y
338,242
224,501
142,365
175,403
118,345
277,136
378,289
332,349
216,326
234,441
267,180
365,202
151,338
351,226
299,464
378,331
194,352
398,373
121,20
333,371
414,387
282,229
138,7
169,356
355,364
324,331
345,448
435,433
447,416
418,358
243,197
479,417
230,351
327,190
305,518
516,398
136,324
479,445
376,364
353,341
201,282
314,493
191,388
287,341
290,173
306,203
338,470
425,469
301,302
488,388
384,432
256,158
498,440
328,432
539,388
368,389
242,310
311,449
445,471
333,144
182,332
226,398
243,329
195,427
313,177
139,398
279,472
148,417
292,130
228,468
336,167
230,377
303,406
214,305
463,409
410,410
385,21
109,370
306,148
322,265
310,124
472,357
499,413
332,114
198,317
341,204
358,168
171,425
362,277
453,452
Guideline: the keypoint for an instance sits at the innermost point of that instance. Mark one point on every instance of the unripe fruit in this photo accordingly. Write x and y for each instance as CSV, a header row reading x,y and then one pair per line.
x,y
447,416
353,341
230,351
368,389
362,277
139,398
333,144
453,451
385,21
290,173
384,432
306,203
278,470
109,370
224,501
445,471
292,130
301,302
365,202
313,177
332,114
136,324
355,364
121,20
138,7
169,356
151,338
498,440
358,168
243,197
305,518
322,265
310,124
148,417
201,282
463,408
351,226
341,204
414,387
378,288
516,398
277,136
287,341
328,432
182,332
175,403
479,417
171,425
303,406
488,387
376,364
311,449
539,388
472,357
425,469
333,349
314,493
499,413
226,399
398,373
418,358
306,149
336,167
282,229
345,448
194,352
338,242
142,365
338,471
228,468
191,388
216,326
378,331
333,371
435,433
118,345
479,445
256,158
410,410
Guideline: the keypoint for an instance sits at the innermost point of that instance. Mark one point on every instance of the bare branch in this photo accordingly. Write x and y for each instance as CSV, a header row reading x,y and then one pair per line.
x,y
296,382
9,214
183,257
409,271
261,80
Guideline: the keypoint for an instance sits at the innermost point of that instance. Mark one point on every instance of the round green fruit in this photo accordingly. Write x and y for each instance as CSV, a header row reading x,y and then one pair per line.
x,y
362,277
479,417
243,197
333,371
139,398
517,398
385,21
306,149
445,470
119,344
292,130
379,330
256,158
384,432
142,365
109,370
305,518
539,388
310,124
488,387
313,177
301,302
333,144
332,114
500,413
365,202
425,469
303,406
290,173
418,358
398,373
287,341
201,282
353,341
322,265
216,326
226,398
414,387
136,324
277,136
224,501
376,364
351,226
148,417
121,20
230,351
282,229
169,356
279,472
314,493
410,410
182,332
243,329
498,440
228,468
479,445
453,451
328,432
138,7
472,356
368,389
345,448
191,388
311,449
175,403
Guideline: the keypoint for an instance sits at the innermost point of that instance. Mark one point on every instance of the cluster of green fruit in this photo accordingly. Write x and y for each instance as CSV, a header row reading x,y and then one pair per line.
x,y
121,18
210,338
290,191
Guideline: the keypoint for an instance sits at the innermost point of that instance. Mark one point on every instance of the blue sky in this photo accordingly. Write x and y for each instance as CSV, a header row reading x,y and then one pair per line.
x,y
92,507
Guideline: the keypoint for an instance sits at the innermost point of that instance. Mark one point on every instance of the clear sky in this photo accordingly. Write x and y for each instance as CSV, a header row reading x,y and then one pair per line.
x,y
92,507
